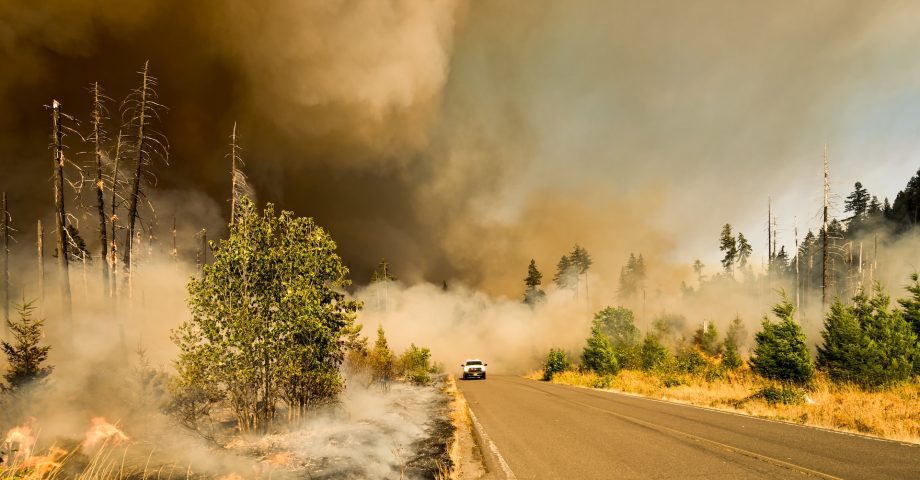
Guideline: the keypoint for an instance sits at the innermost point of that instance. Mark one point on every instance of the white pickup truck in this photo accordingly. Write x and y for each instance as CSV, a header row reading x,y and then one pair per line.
x,y
474,368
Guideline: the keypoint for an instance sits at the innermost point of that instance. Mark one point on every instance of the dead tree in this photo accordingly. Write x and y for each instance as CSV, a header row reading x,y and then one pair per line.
x,y
60,213
239,186
201,259
40,244
824,272
4,261
113,218
98,137
142,108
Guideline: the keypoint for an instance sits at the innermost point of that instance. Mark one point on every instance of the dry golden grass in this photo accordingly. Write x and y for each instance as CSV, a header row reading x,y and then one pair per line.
x,y
892,413
460,418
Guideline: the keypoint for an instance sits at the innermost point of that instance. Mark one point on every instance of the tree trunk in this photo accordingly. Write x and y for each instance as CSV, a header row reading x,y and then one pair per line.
x,y
138,171
114,218
4,263
60,214
100,197
40,244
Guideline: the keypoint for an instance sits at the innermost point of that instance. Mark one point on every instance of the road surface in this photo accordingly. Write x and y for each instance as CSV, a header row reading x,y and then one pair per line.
x,y
529,429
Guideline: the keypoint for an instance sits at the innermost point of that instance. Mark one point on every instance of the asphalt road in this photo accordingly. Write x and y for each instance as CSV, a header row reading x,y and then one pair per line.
x,y
530,429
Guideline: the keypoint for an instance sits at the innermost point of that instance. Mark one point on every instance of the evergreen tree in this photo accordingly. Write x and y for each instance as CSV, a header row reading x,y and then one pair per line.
x,y
780,352
566,274
382,272
706,338
737,332
857,202
731,359
729,246
905,211
619,325
653,354
382,359
533,294
867,343
556,362
25,356
598,355
580,259
911,312
744,250
780,262
632,276
698,269
875,207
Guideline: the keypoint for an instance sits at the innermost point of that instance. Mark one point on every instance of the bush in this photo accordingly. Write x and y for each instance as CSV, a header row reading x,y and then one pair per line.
x,y
691,361
652,354
598,354
415,365
620,327
602,381
707,339
730,359
784,393
556,362
867,343
780,352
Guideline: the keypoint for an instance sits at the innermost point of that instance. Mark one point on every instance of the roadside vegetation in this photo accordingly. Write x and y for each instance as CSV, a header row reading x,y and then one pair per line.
x,y
863,378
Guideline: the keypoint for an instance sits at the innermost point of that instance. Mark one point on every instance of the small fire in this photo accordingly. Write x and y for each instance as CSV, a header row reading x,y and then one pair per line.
x,y
103,431
19,441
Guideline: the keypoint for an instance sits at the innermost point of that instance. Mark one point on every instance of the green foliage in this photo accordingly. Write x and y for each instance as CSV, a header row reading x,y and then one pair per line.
x,y
731,359
691,361
911,309
580,259
382,272
566,275
706,339
737,333
556,362
268,319
867,343
783,393
744,250
669,328
652,354
533,294
905,211
729,246
780,352
381,360
619,325
25,356
632,277
598,354
415,365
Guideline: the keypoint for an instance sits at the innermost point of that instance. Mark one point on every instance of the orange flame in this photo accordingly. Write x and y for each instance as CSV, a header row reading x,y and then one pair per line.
x,y
20,441
103,431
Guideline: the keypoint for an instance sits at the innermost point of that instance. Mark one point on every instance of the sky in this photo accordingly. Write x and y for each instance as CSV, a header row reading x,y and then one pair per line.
x,y
460,139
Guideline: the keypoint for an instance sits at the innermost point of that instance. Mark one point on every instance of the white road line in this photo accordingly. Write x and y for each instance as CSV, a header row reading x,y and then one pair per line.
x,y
494,449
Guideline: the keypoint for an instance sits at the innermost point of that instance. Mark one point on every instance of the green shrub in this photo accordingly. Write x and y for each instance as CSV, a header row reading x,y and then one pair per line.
x,y
707,339
780,352
691,361
602,381
783,393
598,354
730,359
556,362
652,354
867,343
415,365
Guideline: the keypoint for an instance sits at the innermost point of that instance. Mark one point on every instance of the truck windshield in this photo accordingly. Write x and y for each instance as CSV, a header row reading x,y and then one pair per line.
x,y
474,362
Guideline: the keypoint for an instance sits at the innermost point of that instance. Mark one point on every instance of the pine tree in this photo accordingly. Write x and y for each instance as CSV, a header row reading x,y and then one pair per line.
x,y
580,259
533,294
652,354
780,352
382,359
698,269
707,339
731,359
737,332
744,250
382,272
858,201
911,311
729,246
867,343
25,356
566,275
598,355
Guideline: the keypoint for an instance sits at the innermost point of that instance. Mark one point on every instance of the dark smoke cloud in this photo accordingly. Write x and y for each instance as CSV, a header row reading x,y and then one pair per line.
x,y
459,140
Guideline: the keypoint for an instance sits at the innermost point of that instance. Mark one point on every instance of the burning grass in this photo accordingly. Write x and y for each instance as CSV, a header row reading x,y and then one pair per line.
x,y
891,414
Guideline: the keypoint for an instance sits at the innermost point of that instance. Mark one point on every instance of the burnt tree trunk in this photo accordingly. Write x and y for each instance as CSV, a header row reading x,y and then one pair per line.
x,y
60,214
40,244
139,169
100,197
4,262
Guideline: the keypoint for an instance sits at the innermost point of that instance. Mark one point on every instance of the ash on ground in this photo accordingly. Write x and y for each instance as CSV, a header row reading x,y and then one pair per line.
x,y
401,431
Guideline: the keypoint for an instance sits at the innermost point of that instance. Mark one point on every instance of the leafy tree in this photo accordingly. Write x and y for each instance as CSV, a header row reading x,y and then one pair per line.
x,y
669,328
744,250
268,317
598,355
556,362
707,339
867,343
729,246
533,294
25,356
780,352
415,364
619,325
